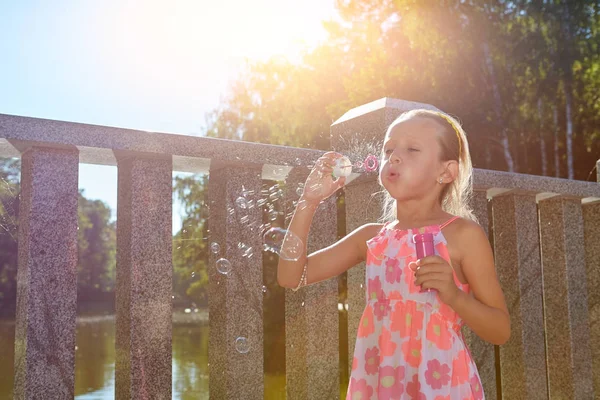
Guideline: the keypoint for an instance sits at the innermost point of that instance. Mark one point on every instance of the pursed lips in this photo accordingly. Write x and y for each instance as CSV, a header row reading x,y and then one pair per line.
x,y
392,174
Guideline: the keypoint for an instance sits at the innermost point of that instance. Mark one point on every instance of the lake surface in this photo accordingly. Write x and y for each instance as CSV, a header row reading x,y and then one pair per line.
x,y
95,360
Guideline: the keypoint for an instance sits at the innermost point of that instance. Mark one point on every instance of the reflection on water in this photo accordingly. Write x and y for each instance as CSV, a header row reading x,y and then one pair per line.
x,y
95,360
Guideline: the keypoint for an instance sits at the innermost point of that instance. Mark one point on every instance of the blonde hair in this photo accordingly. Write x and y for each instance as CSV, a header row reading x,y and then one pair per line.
x,y
456,196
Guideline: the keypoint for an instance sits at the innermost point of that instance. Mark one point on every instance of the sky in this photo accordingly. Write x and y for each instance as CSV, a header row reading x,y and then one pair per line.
x,y
153,65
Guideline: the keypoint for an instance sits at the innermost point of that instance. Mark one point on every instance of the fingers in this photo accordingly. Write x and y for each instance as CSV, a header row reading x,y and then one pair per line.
x,y
430,260
425,280
328,159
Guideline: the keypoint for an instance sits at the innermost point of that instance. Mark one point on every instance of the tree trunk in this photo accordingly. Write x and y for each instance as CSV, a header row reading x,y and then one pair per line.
x,y
556,158
542,141
498,108
569,120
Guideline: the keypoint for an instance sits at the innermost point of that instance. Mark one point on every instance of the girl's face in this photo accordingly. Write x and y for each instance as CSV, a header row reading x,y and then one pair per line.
x,y
411,163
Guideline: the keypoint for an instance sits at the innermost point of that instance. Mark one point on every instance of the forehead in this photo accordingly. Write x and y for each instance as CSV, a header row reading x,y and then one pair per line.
x,y
417,128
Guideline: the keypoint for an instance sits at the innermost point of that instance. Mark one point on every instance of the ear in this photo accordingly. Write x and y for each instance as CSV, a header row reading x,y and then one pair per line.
x,y
450,171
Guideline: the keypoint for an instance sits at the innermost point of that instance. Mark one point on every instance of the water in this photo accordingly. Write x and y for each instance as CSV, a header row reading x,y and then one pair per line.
x,y
95,360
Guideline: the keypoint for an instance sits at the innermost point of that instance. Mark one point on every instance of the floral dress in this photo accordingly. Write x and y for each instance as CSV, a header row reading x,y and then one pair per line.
x,y
409,343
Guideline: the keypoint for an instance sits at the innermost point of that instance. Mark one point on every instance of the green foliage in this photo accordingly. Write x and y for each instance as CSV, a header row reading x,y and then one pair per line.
x,y
190,247
433,52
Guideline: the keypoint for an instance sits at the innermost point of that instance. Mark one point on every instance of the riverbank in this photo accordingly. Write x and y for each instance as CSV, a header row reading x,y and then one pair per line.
x,y
180,317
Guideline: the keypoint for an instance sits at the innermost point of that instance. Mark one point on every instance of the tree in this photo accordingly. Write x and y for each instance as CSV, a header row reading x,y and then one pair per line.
x,y
488,62
96,238
190,249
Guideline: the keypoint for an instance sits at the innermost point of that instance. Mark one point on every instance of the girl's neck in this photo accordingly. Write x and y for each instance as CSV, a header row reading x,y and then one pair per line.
x,y
415,215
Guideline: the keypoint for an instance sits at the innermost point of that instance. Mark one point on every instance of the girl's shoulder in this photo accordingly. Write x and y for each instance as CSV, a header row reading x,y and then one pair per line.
x,y
462,234
371,230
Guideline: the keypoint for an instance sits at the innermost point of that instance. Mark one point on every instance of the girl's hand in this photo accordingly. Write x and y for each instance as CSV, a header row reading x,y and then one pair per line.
x,y
320,184
434,272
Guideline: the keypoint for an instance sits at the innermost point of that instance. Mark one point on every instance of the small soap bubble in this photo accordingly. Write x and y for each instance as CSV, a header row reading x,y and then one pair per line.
x,y
299,191
292,249
223,266
273,215
264,289
343,167
241,203
242,345
215,248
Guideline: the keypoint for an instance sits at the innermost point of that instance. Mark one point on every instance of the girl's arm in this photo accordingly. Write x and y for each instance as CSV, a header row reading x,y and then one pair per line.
x,y
330,261
325,263
485,312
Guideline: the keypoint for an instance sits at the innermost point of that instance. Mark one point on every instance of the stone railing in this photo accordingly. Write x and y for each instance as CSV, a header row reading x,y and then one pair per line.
x,y
545,233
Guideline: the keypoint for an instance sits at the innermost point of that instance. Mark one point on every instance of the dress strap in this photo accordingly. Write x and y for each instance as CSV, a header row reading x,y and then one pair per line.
x,y
445,224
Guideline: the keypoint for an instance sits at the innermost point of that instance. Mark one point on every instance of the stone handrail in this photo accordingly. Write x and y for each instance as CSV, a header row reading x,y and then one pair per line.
x,y
545,234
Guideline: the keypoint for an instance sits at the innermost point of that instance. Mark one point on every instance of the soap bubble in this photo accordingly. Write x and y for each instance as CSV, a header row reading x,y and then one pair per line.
x,y
292,249
241,203
215,248
242,345
223,266
343,167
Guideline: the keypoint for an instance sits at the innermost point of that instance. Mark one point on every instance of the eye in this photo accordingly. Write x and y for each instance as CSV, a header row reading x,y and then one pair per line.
x,y
388,151
412,149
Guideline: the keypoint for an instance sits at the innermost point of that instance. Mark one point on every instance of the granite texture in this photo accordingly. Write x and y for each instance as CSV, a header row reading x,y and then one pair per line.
x,y
311,313
47,275
96,142
144,277
566,316
591,229
361,208
516,248
235,299
485,179
483,353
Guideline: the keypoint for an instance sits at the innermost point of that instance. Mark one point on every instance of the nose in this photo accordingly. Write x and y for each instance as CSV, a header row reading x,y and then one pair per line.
x,y
394,158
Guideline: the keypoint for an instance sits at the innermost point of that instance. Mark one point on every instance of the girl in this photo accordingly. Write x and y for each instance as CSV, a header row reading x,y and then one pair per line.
x,y
409,344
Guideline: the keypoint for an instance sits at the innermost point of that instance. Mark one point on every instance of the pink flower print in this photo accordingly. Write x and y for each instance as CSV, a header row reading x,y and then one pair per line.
x,y
377,248
375,291
372,361
393,272
386,344
354,363
437,374
460,369
449,313
366,326
390,383
412,352
381,309
359,390
405,251
394,295
476,388
399,234
438,332
413,389
442,398
441,250
406,319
